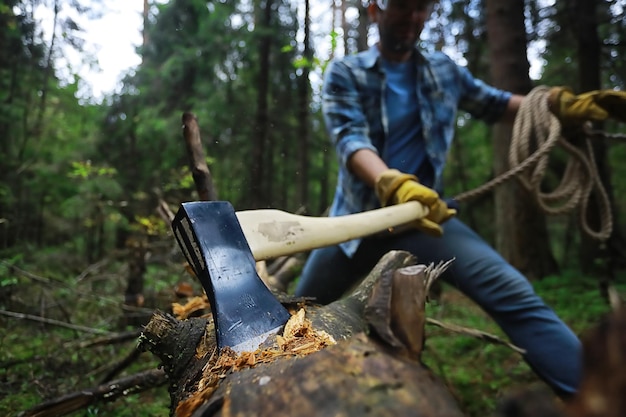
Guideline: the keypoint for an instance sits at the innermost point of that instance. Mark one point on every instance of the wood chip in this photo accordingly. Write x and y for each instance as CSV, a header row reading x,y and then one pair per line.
x,y
194,304
298,338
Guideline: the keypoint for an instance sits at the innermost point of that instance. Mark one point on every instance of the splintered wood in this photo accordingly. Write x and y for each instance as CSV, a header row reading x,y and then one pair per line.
x,y
193,305
299,338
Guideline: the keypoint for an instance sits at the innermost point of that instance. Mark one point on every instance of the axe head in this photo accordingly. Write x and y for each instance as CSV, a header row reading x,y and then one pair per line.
x,y
244,310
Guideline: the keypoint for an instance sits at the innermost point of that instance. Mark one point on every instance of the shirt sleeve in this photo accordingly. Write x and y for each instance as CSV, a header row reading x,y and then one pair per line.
x,y
343,112
480,99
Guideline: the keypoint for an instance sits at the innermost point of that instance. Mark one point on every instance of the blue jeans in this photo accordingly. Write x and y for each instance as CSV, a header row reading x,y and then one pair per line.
x,y
552,349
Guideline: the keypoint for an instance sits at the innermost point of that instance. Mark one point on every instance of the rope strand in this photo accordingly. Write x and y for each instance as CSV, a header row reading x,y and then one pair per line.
x,y
537,128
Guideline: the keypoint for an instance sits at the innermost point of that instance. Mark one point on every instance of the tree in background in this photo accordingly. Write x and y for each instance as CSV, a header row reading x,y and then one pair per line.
x,y
72,172
232,65
522,236
582,53
43,128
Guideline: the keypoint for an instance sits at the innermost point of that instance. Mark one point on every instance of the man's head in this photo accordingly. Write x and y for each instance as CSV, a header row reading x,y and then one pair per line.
x,y
400,23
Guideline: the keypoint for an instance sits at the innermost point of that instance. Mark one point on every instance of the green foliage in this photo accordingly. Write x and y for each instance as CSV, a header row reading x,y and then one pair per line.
x,y
478,373
481,374
39,362
150,226
84,170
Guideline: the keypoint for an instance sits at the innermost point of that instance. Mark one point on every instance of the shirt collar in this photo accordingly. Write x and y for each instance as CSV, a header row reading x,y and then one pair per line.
x,y
372,55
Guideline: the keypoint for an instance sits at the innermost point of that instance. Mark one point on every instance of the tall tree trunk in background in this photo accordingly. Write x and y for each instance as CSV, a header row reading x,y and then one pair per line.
x,y
304,93
333,25
48,73
261,128
584,22
521,233
345,30
325,184
328,151
144,32
361,41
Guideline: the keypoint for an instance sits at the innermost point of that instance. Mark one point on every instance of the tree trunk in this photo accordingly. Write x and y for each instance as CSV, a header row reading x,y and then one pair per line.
x,y
144,32
379,374
134,294
521,232
303,133
197,162
364,24
345,30
261,130
585,27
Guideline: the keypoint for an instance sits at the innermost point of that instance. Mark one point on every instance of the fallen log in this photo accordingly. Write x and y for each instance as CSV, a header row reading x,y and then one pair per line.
x,y
359,355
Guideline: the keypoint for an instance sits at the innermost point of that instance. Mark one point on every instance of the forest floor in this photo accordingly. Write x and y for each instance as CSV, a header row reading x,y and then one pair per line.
x,y
40,361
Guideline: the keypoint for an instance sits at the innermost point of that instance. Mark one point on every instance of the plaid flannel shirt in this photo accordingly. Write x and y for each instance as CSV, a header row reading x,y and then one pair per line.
x,y
355,116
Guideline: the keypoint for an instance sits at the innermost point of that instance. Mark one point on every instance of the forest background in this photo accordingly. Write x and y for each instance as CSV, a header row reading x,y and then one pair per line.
x,y
81,180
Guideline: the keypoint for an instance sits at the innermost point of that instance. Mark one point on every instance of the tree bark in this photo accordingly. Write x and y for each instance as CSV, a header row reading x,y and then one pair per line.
x,y
361,40
304,93
134,293
584,14
521,232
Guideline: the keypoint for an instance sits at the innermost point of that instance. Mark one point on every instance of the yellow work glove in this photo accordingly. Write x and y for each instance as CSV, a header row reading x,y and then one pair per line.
x,y
596,105
394,187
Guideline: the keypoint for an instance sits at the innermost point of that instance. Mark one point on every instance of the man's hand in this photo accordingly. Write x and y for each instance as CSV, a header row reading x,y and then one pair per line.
x,y
394,187
596,105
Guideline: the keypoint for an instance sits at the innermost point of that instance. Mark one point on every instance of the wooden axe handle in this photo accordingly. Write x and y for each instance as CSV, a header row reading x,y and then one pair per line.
x,y
272,233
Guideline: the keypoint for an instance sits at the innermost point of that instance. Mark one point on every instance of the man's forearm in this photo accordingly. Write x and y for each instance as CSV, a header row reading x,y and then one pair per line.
x,y
367,165
511,109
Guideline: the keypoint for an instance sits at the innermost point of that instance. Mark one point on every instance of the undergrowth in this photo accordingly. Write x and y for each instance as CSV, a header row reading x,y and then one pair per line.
x,y
481,374
39,362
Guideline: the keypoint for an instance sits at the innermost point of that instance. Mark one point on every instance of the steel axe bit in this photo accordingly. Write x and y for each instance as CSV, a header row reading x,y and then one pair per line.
x,y
244,310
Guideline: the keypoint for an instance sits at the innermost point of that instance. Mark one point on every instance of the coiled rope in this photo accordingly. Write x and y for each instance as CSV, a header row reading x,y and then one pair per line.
x,y
535,127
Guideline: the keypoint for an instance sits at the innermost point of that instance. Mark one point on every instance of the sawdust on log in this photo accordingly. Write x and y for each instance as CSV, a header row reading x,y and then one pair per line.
x,y
299,338
193,305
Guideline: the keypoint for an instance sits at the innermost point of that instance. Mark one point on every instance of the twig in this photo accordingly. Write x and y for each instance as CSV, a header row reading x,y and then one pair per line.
x,y
106,392
121,365
197,162
108,339
53,322
60,284
31,276
91,268
164,211
600,134
475,333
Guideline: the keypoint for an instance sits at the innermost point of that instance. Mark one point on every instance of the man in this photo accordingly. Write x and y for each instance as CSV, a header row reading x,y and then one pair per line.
x,y
391,112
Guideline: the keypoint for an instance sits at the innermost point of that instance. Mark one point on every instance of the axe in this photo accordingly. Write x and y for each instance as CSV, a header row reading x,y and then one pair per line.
x,y
221,246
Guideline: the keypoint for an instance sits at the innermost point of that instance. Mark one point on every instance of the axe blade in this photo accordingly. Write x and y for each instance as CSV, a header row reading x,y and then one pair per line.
x,y
244,310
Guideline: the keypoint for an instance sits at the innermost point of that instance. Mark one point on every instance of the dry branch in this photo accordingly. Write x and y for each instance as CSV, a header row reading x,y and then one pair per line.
x,y
106,392
109,339
197,162
53,322
474,333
